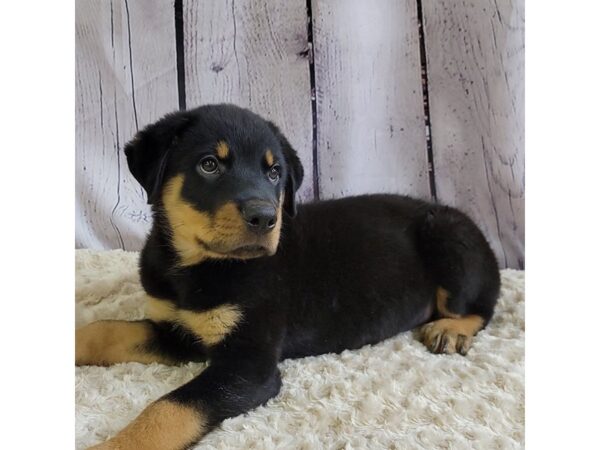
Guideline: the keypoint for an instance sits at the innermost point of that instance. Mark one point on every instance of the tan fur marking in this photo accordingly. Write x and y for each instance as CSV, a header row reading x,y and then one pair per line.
x,y
211,326
222,150
160,310
451,335
269,158
109,342
275,234
441,302
223,231
186,223
163,425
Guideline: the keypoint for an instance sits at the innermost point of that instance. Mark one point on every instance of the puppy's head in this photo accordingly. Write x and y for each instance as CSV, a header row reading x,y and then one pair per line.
x,y
220,177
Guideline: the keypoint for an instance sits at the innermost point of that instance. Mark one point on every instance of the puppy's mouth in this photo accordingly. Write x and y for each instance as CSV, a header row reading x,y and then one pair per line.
x,y
242,251
250,251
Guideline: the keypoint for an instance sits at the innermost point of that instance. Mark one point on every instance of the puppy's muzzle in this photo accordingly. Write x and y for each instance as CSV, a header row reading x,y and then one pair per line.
x,y
260,216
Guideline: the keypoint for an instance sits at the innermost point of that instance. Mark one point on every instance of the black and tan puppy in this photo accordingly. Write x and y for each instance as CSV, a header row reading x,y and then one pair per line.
x,y
237,273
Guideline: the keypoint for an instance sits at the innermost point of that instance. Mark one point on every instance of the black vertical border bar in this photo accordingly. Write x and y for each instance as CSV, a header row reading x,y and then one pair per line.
x,y
425,86
313,99
179,49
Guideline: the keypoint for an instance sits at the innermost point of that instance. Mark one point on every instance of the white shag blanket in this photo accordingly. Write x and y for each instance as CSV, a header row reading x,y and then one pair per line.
x,y
393,395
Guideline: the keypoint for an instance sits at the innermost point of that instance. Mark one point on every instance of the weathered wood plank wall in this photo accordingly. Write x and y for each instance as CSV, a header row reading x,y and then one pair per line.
x,y
475,71
126,78
370,132
356,112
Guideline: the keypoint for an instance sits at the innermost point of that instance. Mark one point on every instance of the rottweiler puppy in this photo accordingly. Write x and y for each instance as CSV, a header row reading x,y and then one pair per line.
x,y
236,272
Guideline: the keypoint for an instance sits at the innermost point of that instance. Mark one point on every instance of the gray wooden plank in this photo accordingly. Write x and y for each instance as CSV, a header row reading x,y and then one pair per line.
x,y
370,134
125,78
253,53
475,62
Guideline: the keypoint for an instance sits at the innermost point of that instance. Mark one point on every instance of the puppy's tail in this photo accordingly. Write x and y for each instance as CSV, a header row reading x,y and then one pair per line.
x,y
459,257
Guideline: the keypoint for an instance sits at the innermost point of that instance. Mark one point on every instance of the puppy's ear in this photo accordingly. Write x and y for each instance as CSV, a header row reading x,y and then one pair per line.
x,y
294,169
147,153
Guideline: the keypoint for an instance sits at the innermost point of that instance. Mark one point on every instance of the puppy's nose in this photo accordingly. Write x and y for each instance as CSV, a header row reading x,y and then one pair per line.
x,y
259,216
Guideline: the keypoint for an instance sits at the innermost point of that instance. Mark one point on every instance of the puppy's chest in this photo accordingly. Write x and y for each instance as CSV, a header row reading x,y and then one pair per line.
x,y
209,326
211,301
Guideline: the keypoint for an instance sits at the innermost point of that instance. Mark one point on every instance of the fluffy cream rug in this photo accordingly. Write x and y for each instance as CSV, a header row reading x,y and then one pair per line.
x,y
393,395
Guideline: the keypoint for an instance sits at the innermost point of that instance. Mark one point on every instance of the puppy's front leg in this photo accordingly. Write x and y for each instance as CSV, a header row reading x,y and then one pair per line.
x,y
231,385
108,342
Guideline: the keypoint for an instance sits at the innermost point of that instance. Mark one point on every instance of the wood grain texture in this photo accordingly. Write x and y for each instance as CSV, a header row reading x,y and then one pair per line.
x,y
475,59
253,53
125,78
370,133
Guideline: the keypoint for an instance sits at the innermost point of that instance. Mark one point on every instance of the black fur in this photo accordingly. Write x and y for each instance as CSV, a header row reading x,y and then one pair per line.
x,y
347,272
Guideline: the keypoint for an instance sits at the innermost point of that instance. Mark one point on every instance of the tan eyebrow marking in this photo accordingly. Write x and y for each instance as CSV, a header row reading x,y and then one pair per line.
x,y
269,158
222,150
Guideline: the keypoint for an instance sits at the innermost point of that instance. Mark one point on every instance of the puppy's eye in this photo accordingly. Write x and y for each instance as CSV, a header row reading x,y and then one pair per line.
x,y
274,173
209,165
